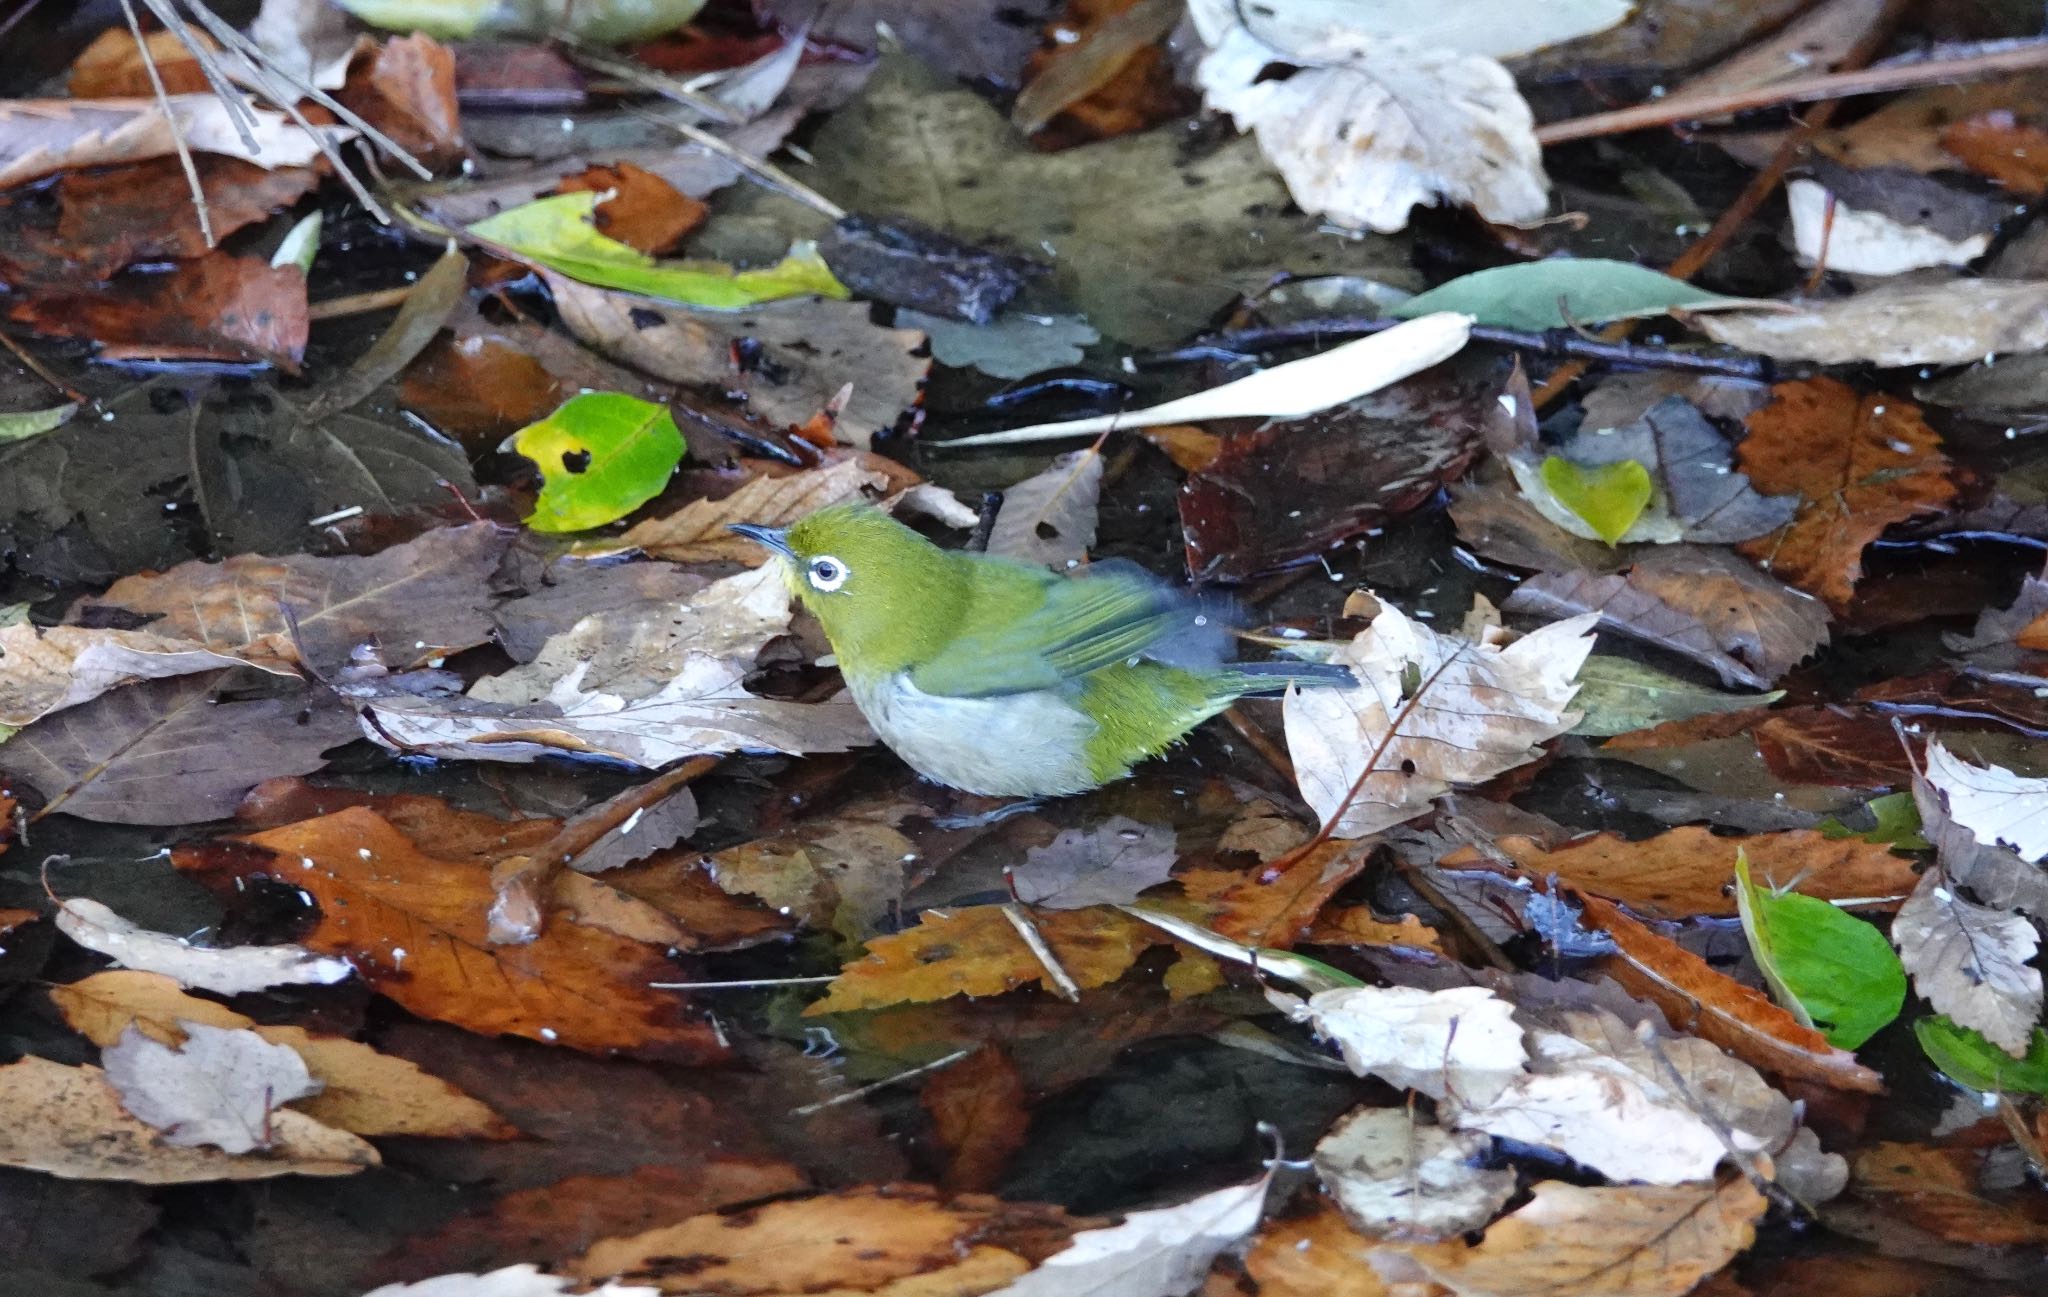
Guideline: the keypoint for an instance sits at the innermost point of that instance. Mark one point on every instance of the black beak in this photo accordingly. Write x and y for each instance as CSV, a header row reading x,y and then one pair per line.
x,y
775,538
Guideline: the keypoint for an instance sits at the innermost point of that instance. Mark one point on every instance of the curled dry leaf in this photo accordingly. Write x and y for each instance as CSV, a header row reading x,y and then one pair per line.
x,y
362,1091
1971,962
697,533
233,970
1859,463
1690,871
1394,1175
1430,711
69,1122
44,669
221,1086
416,929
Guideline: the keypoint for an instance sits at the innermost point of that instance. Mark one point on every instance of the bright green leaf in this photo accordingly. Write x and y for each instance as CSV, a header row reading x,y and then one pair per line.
x,y
1562,292
1617,695
1609,497
556,232
605,22
33,423
300,245
1830,968
1898,824
601,456
1968,1059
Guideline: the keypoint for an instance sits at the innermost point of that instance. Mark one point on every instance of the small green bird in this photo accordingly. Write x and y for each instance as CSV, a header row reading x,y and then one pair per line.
x,y
1004,679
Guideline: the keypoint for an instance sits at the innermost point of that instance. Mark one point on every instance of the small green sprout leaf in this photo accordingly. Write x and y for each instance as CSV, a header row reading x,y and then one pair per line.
x,y
601,456
34,423
1831,969
1968,1059
1898,824
1609,497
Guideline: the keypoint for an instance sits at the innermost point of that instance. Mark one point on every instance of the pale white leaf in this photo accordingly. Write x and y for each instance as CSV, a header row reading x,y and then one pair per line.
x,y
1394,1175
227,970
1997,806
1952,323
1970,962
39,136
1108,864
1499,29
1861,242
1430,711
512,1281
1462,1040
1162,1253
221,1089
1290,391
1050,518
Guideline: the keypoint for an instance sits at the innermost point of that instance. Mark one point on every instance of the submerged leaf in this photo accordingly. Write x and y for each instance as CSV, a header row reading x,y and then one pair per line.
x,y
1836,971
601,456
1966,1058
1617,695
1607,497
1565,292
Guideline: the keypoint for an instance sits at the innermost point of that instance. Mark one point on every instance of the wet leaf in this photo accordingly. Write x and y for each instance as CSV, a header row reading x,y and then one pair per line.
x,y
69,1122
24,424
45,669
219,307
231,970
46,135
1049,519
1394,1175
1156,1253
523,1280
1934,1189
601,456
1607,497
1108,864
415,927
407,90
1971,962
1898,824
637,207
980,1112
1462,1040
1836,971
1564,293
1951,323
1859,463
220,1087
1998,807
1689,872
697,532
1966,1058
1617,695
841,873
1312,1256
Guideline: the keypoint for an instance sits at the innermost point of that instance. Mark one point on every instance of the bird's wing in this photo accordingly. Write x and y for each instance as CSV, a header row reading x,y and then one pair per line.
x,y
1115,613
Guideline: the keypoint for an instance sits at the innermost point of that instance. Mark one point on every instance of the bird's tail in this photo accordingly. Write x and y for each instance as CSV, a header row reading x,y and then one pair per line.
x,y
1255,678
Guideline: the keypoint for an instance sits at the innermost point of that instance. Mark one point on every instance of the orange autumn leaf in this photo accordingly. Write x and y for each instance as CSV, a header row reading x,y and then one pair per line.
x,y
1274,905
1688,872
1716,1007
407,90
640,208
415,927
1857,462
1933,1189
1357,925
1314,1256
113,67
980,1114
1998,145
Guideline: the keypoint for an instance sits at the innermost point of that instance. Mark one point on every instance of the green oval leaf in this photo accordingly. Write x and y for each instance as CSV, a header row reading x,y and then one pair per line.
x,y
1617,695
1559,293
1966,1058
556,232
1898,824
601,456
1608,497
1833,970
34,423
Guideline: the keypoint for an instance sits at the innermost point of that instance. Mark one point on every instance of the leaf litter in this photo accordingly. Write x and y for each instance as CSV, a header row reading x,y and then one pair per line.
x,y
286,622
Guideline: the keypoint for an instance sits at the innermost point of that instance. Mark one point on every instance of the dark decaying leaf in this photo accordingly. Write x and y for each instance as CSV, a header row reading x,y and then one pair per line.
x,y
906,263
975,40
173,751
1290,491
1498,522
220,307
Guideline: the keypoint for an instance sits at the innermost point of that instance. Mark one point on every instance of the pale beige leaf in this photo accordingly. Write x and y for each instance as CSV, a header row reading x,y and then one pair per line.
x,y
1050,518
48,668
1998,807
1152,1253
696,533
229,970
1430,712
512,1281
1394,1175
39,136
1970,962
69,1122
1951,323
1461,1041
222,1087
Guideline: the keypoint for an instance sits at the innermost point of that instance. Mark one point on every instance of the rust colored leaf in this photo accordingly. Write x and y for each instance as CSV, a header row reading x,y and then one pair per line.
x,y
1858,463
976,951
112,67
1933,1188
220,307
1718,1008
1357,925
1690,871
1705,728
1275,906
1314,1256
1998,145
1134,91
980,1113
407,91
415,927
479,391
1841,747
643,210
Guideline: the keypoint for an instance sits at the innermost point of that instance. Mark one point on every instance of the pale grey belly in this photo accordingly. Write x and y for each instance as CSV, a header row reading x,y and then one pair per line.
x,y
1014,745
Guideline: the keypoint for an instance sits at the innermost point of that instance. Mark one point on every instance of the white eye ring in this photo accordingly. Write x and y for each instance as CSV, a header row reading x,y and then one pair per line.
x,y
825,573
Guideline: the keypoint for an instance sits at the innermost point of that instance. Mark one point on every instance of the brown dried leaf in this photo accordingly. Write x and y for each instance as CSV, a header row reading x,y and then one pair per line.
x,y
1314,1256
112,66
44,669
1274,906
416,928
1933,1189
1357,925
480,390
1697,998
1998,145
1690,871
1859,463
407,91
642,210
39,136
220,307
697,533
980,1113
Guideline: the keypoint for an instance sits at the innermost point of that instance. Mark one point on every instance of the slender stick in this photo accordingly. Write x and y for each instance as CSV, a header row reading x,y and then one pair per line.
x,y
230,95
40,370
882,1084
760,168
380,299
1062,982
163,103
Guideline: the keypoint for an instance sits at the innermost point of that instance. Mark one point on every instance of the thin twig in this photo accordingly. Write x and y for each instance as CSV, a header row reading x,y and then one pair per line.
x,y
379,299
40,370
1063,983
163,103
751,981
1935,70
882,1084
760,168
224,89
646,78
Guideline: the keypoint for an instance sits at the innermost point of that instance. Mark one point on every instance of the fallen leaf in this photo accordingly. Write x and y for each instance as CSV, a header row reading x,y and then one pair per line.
x,y
425,599
637,207
1998,807
1999,146
1932,1188
1690,872
1859,463
221,1087
1607,499
1313,1256
171,751
480,390
1272,908
1394,1175
112,67
1014,346
69,1122
1697,998
976,951
1618,695
1968,1059
1704,604
231,970
407,90
1157,1253
1430,711
46,135
1369,126
415,927
1357,925
783,361
601,455
980,1114
524,1280
1625,1241
1049,519
697,533
1107,864
705,709
1950,323
362,1091
1835,971
1460,1041
1839,746
841,873
1565,293
45,669
219,307
1971,962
